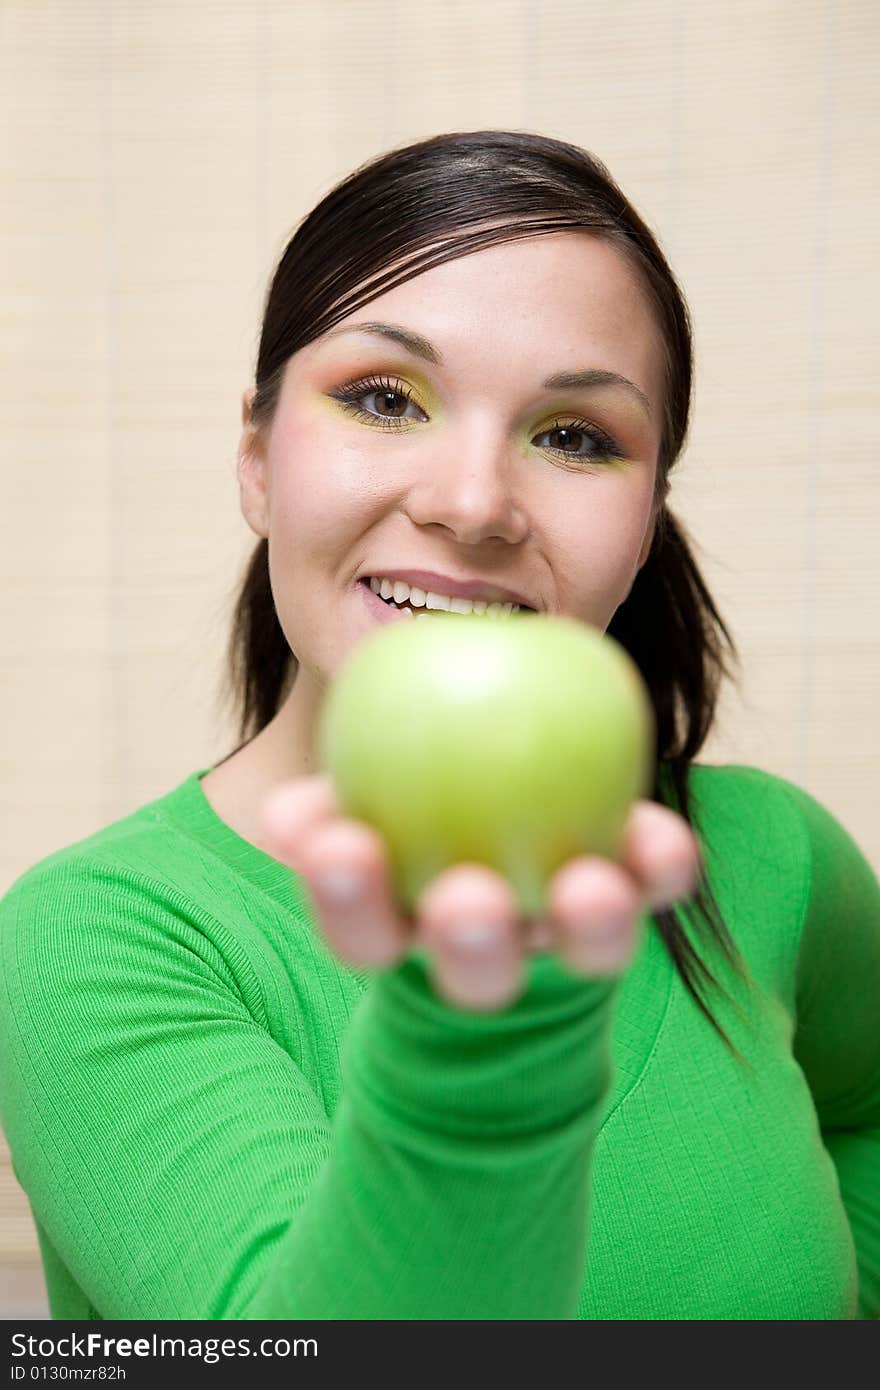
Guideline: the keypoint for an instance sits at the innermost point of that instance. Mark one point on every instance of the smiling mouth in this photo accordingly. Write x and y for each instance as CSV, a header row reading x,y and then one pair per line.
x,y
446,604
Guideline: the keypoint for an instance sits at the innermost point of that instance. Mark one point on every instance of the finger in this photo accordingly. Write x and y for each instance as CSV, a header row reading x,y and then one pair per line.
x,y
345,865
662,854
469,919
293,808
593,907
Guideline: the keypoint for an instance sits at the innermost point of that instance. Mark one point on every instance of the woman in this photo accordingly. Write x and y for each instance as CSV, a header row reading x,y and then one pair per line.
x,y
229,1093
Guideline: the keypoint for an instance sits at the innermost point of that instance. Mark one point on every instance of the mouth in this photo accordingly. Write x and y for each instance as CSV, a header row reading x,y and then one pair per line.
x,y
387,610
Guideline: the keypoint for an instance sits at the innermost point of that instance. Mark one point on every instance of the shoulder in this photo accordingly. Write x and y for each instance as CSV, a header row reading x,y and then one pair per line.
x,y
783,834
755,843
784,866
135,827
739,797
767,809
137,874
721,784
155,845
125,910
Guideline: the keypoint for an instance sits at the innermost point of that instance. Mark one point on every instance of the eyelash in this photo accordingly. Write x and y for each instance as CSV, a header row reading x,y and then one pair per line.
x,y
349,396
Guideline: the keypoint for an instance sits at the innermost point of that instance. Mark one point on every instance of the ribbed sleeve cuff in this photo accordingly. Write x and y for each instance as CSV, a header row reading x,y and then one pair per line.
x,y
418,1069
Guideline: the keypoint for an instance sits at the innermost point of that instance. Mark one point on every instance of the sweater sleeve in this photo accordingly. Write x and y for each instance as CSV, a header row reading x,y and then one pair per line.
x,y
837,1037
181,1166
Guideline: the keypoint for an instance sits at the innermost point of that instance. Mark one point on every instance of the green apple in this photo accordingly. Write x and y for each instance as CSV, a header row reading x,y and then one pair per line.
x,y
514,742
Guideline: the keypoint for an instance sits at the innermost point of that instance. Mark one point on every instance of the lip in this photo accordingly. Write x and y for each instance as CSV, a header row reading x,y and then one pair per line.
x,y
445,584
381,611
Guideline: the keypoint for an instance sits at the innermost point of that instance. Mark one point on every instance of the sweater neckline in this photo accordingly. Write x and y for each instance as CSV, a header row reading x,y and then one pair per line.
x,y
646,990
191,811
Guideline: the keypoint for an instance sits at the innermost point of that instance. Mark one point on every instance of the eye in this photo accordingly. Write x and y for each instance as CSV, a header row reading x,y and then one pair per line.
x,y
390,393
578,433
393,395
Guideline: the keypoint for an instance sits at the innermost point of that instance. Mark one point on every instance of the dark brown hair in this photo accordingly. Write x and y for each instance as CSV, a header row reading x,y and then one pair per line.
x,y
391,219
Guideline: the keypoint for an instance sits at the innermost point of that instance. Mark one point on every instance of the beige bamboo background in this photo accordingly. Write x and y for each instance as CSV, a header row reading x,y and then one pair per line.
x,y
156,156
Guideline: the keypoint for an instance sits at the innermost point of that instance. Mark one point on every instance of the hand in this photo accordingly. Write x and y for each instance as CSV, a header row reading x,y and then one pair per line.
x,y
468,917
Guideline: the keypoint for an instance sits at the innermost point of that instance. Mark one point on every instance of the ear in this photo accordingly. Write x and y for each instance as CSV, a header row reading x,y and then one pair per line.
x,y
252,472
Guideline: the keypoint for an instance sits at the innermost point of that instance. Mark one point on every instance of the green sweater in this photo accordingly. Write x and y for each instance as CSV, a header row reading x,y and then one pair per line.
x,y
214,1117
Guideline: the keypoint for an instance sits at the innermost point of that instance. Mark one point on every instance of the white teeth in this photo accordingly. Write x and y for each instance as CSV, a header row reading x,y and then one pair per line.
x,y
401,592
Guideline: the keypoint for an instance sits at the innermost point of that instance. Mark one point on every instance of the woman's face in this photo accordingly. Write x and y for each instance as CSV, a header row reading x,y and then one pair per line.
x,y
474,469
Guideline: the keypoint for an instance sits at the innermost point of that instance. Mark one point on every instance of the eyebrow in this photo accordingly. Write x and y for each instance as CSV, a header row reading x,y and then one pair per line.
x,y
560,381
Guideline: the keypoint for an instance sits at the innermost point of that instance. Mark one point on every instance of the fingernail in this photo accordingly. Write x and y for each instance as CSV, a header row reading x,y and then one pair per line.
x,y
675,888
476,936
611,932
340,885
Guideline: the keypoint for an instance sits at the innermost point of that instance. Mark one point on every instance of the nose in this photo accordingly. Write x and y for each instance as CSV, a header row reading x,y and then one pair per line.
x,y
469,481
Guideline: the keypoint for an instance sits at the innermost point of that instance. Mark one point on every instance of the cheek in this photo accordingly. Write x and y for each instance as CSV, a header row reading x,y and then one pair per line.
x,y
316,476
595,540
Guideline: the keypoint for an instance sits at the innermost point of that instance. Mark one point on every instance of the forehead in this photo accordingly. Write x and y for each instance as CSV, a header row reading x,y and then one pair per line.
x,y
562,300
